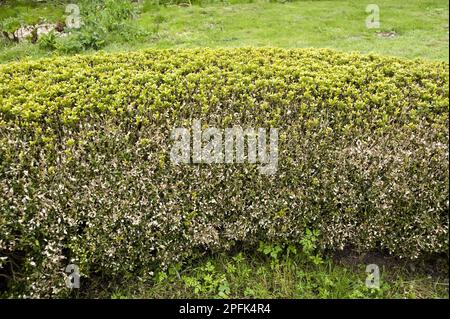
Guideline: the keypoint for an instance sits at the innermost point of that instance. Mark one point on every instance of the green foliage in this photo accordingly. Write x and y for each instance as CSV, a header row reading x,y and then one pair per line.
x,y
208,282
9,27
71,45
252,275
102,21
111,15
48,41
309,246
308,250
91,38
101,18
85,174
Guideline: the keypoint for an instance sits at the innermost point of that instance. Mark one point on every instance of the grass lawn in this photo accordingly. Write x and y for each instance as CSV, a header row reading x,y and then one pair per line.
x,y
419,29
32,11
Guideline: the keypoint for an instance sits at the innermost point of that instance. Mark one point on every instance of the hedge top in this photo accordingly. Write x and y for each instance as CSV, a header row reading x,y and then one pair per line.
x,y
201,81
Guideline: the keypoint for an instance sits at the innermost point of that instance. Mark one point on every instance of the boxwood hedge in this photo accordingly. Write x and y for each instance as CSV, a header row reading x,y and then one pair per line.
x,y
86,178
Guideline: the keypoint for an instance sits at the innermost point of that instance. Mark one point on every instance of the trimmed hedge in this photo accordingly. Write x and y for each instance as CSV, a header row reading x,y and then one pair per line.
x,y
85,174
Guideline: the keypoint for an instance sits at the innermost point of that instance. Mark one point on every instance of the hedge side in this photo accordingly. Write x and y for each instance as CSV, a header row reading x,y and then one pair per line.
x,y
85,174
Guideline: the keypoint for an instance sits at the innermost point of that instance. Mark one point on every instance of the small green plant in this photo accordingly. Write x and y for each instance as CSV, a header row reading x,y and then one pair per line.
x,y
48,41
116,13
9,27
161,276
118,295
91,38
270,250
208,282
309,246
68,45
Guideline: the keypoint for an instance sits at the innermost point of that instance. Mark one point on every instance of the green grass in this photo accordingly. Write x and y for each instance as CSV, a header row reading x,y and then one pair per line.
x,y
250,275
294,271
32,12
421,27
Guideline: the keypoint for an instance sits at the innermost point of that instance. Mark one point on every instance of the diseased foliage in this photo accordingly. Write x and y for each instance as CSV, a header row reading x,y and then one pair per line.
x,y
85,175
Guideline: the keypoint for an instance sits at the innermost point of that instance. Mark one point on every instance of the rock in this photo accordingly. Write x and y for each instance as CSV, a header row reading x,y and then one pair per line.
x,y
37,30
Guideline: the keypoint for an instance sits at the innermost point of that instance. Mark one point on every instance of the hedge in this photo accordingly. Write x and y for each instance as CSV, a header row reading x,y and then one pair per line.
x,y
86,178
